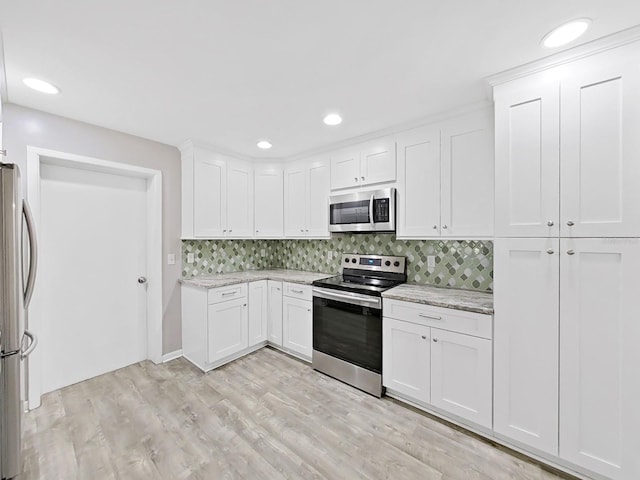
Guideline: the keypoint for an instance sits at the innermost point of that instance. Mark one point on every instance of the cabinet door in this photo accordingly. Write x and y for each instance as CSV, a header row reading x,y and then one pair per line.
x,y
209,194
227,329
318,200
295,201
275,312
599,355
461,375
296,326
467,176
269,203
527,157
526,304
419,183
600,157
378,161
345,168
258,313
239,200
406,358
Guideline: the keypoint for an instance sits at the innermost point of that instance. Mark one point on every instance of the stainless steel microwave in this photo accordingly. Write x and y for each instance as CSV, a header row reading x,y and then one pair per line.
x,y
366,211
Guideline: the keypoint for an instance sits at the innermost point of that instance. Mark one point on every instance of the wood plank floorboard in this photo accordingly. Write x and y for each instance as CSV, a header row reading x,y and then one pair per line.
x,y
264,416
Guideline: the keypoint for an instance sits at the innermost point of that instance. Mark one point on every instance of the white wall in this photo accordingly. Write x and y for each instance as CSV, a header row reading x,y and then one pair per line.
x,y
23,126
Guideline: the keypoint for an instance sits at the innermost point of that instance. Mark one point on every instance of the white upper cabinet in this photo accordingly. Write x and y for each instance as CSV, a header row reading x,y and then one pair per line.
x,y
586,185
599,355
526,327
306,199
600,148
217,195
269,203
445,179
369,163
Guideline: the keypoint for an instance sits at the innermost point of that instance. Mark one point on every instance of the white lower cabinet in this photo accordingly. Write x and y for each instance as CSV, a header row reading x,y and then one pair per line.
x,y
430,357
258,312
297,334
227,331
274,316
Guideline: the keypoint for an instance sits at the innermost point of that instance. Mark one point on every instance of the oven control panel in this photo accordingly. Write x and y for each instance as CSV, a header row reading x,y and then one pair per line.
x,y
376,263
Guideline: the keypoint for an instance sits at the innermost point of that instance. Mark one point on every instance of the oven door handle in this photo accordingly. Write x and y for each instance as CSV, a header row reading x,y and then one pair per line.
x,y
355,298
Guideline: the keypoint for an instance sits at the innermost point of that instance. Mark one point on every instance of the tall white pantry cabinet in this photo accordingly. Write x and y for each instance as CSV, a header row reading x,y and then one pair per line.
x,y
567,262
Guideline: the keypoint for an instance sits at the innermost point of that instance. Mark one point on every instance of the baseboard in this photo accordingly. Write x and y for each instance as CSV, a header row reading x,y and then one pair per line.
x,y
167,357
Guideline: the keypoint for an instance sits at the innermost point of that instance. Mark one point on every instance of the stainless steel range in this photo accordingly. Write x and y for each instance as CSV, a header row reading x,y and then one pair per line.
x,y
347,319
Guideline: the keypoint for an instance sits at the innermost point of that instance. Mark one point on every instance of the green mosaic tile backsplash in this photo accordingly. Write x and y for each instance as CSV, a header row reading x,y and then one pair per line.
x,y
458,263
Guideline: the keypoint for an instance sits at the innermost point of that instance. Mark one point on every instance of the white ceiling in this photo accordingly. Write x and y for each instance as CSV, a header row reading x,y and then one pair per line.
x,y
232,72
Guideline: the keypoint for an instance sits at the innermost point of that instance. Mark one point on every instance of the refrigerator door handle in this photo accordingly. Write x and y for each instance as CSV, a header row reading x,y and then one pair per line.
x,y
34,342
33,253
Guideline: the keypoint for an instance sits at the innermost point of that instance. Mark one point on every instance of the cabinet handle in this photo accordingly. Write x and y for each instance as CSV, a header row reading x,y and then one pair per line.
x,y
550,251
424,315
435,339
296,291
570,252
229,293
549,223
570,223
424,337
435,227
444,227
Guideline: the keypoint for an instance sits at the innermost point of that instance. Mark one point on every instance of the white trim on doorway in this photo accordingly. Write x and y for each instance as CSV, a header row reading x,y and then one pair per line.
x,y
37,156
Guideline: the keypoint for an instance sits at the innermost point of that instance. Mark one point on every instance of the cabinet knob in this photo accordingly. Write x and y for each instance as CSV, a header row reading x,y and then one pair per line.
x,y
424,337
550,251
444,227
570,223
257,231
224,231
307,231
549,223
362,178
244,305
435,339
570,252
435,227
308,309
230,231
355,179
302,230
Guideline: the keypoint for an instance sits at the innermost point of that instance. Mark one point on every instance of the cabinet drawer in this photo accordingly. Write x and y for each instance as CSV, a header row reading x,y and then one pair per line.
x,y
222,294
296,290
470,323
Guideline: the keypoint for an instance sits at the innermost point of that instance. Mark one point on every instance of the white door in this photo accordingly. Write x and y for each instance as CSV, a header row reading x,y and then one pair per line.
x,y
239,200
600,157
209,194
275,312
295,201
258,312
297,326
406,358
345,168
419,183
378,161
269,203
461,375
93,244
599,355
525,340
227,329
527,167
467,176
318,200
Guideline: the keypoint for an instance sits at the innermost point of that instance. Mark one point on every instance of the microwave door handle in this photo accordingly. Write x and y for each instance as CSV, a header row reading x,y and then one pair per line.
x,y
33,253
371,219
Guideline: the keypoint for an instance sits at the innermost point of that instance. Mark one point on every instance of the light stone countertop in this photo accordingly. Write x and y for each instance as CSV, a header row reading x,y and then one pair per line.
x,y
468,300
224,279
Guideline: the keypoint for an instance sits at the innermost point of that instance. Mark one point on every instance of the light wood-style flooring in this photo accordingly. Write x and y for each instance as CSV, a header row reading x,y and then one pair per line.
x,y
264,416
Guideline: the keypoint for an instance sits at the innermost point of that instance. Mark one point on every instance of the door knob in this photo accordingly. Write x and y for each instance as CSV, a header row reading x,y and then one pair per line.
x,y
142,279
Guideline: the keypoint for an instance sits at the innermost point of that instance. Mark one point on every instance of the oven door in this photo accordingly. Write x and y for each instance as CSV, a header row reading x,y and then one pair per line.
x,y
348,326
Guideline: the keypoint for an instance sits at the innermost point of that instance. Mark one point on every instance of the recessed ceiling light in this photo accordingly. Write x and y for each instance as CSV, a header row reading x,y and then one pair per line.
x,y
332,119
264,145
41,86
566,33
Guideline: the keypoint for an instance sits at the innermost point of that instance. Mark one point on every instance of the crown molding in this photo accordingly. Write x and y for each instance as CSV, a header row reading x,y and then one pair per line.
x,y
4,96
593,47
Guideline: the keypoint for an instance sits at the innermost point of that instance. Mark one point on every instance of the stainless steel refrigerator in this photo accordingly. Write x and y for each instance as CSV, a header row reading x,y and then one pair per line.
x,y
17,277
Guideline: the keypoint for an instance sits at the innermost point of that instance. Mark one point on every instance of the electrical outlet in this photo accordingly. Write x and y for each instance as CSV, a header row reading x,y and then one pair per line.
x,y
329,255
171,259
190,258
263,253
431,261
